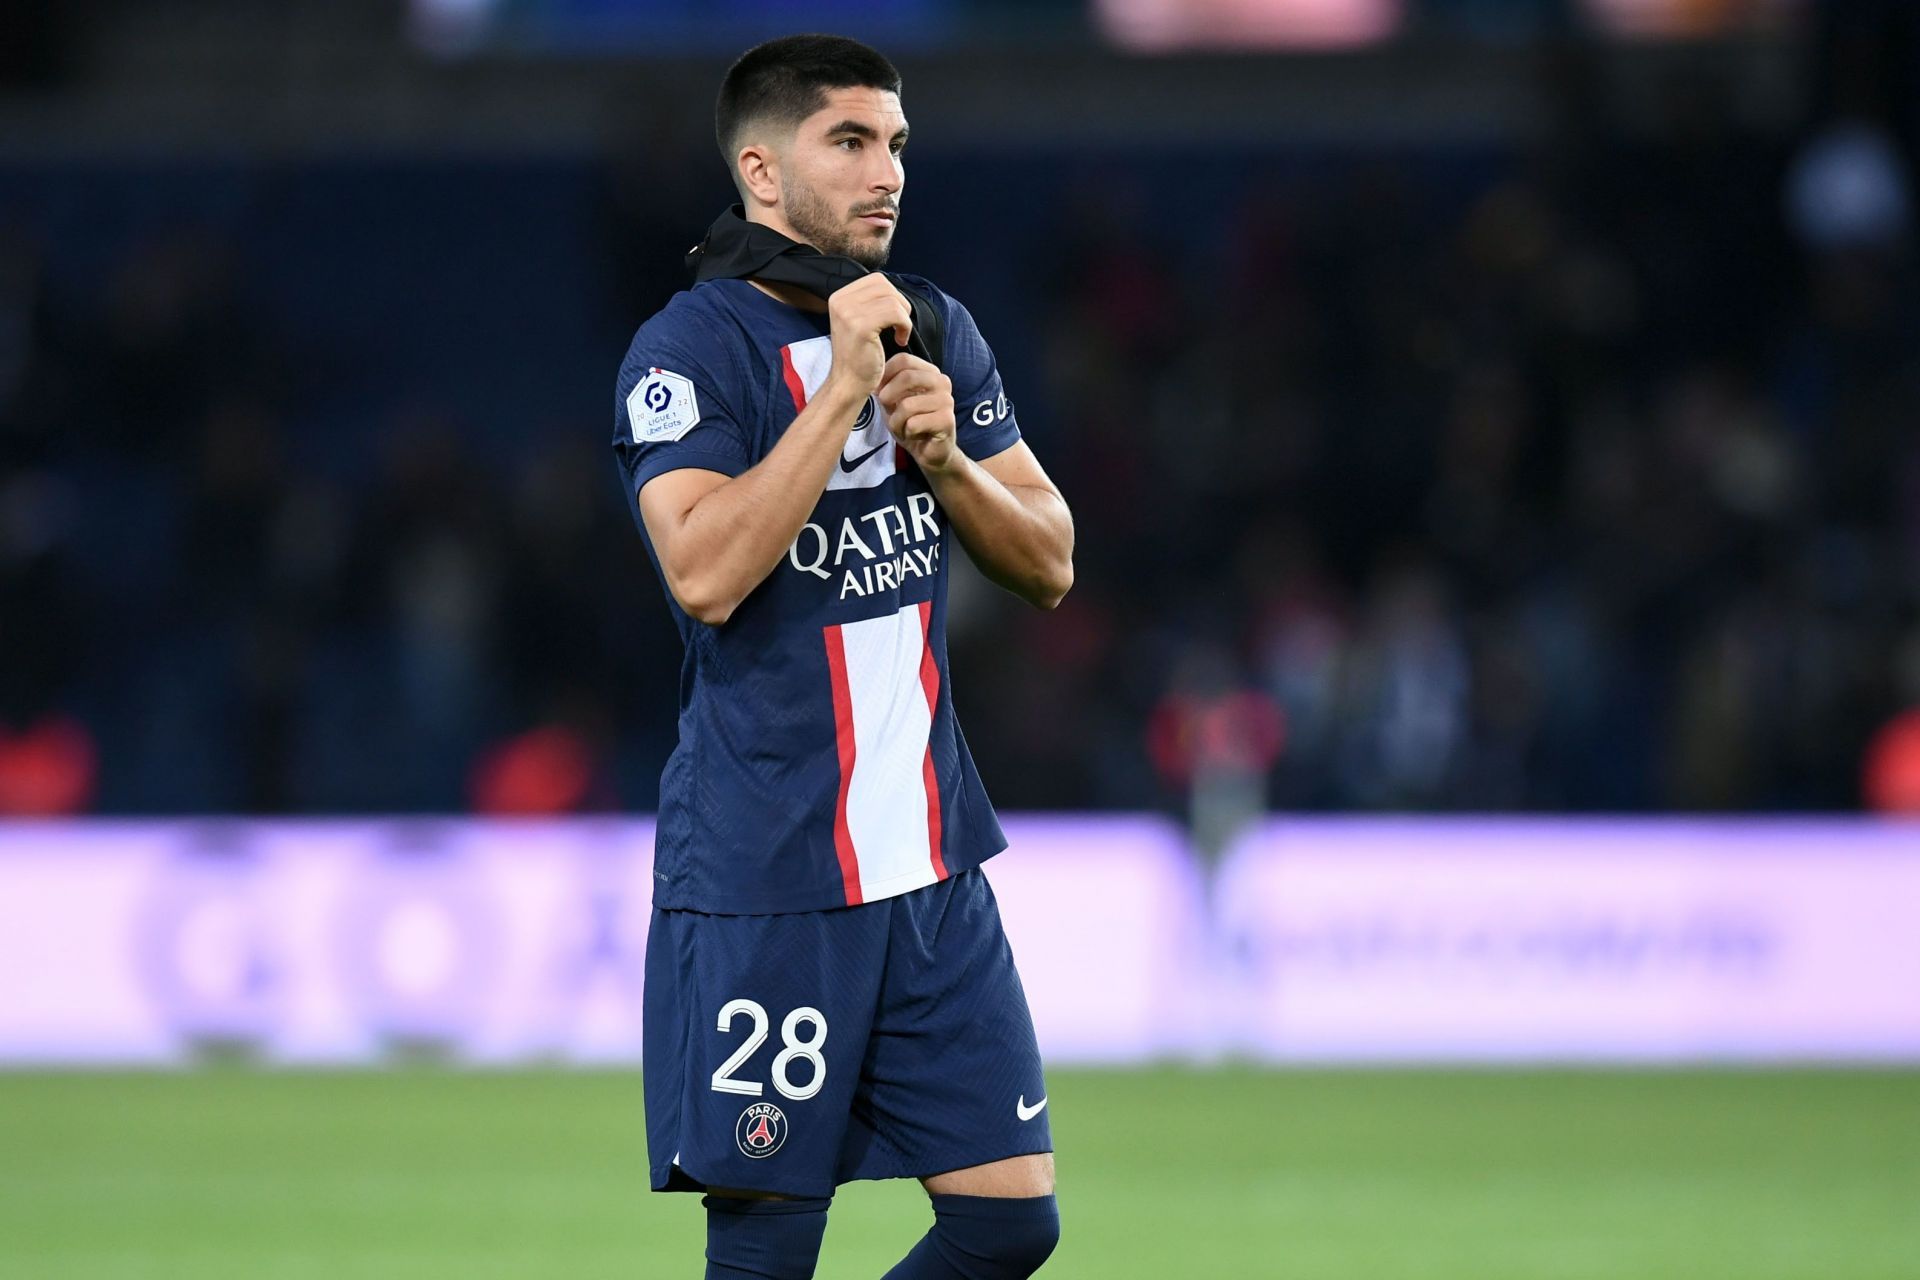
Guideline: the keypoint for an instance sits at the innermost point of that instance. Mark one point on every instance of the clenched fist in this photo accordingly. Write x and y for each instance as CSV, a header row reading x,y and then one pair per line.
x,y
858,314
918,399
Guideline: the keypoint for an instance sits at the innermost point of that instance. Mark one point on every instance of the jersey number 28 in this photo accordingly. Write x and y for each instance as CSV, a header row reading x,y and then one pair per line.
x,y
795,1048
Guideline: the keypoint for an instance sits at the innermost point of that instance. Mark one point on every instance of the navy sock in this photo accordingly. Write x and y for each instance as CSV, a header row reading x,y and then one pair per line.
x,y
763,1239
983,1238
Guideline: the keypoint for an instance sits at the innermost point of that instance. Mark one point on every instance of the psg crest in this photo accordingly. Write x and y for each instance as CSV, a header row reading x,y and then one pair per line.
x,y
761,1130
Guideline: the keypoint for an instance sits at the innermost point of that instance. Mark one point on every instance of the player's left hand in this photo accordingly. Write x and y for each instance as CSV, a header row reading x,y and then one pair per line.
x,y
918,399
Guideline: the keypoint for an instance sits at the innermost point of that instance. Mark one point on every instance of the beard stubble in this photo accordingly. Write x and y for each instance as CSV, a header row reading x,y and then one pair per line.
x,y
814,219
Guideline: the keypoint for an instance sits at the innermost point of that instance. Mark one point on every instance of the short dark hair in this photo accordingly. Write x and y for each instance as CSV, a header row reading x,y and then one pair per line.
x,y
787,80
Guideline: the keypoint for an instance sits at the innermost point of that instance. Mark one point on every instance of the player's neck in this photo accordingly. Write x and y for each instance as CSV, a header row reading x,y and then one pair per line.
x,y
792,295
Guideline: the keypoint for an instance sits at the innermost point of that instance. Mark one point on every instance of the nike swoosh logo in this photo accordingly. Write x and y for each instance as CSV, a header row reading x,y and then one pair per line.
x,y
1026,1112
852,465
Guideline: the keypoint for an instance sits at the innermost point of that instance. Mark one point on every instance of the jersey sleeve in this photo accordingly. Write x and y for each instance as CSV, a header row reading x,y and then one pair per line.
x,y
671,411
982,413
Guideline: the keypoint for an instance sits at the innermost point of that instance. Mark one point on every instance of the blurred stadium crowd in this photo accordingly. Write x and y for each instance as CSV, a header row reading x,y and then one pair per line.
x,y
1580,476
1598,491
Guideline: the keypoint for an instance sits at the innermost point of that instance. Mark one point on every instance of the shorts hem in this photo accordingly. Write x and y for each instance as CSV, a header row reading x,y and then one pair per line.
x,y
677,1178
965,1162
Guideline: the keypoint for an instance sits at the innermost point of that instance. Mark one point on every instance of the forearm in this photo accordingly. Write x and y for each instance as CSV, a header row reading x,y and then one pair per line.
x,y
1021,536
731,539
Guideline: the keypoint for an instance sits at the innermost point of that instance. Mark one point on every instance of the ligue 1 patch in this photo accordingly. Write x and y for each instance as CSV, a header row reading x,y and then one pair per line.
x,y
760,1131
865,419
662,407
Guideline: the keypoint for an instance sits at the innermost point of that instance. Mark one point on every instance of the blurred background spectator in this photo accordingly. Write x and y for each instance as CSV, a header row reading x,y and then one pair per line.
x,y
1571,465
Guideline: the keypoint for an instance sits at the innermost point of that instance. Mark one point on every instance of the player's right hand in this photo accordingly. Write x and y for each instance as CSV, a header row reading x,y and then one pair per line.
x,y
858,314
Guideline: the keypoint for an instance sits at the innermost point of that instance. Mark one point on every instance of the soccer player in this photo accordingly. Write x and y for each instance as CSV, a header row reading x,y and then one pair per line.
x,y
829,993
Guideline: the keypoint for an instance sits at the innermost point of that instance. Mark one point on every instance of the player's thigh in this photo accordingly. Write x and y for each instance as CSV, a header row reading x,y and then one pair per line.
x,y
757,1028
953,1080
1016,1178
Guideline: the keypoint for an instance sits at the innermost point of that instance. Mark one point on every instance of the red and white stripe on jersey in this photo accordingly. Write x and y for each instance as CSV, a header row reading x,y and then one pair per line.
x,y
886,685
804,366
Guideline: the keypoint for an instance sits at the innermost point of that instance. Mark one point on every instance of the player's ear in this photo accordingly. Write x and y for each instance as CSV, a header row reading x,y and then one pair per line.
x,y
757,173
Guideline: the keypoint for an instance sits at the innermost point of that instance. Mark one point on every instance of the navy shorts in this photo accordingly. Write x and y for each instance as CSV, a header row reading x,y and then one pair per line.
x,y
792,1053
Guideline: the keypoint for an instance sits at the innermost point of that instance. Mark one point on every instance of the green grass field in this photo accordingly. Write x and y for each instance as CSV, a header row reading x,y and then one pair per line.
x,y
233,1175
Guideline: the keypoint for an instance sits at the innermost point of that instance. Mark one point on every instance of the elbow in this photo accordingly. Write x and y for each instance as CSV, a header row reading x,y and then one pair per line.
x,y
701,601
1056,578
713,615
1049,591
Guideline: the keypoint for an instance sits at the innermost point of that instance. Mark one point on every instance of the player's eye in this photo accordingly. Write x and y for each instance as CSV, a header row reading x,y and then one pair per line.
x,y
852,144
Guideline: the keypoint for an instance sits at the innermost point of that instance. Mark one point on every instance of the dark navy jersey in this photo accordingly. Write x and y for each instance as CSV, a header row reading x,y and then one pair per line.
x,y
819,763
